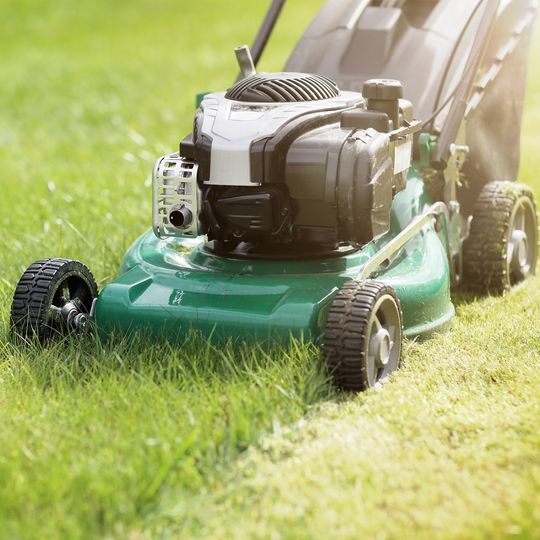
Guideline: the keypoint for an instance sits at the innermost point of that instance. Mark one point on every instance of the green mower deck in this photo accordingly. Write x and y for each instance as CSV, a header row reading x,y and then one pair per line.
x,y
170,288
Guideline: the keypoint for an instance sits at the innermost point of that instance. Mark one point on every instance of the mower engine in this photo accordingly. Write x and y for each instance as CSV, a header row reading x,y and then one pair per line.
x,y
286,162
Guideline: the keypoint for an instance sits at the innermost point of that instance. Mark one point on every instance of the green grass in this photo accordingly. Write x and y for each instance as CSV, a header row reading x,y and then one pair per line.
x,y
127,441
94,440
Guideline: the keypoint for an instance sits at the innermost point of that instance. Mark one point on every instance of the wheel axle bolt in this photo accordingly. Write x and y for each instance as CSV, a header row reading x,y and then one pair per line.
x,y
81,322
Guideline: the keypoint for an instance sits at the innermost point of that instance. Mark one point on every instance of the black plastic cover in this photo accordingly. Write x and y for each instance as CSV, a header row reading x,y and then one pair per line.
x,y
253,211
342,182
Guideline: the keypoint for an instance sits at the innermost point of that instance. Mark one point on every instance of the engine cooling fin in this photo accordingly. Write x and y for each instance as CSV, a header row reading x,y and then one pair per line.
x,y
283,88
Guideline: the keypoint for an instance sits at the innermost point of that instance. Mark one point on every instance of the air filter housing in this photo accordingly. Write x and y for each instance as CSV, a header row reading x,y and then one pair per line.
x,y
283,88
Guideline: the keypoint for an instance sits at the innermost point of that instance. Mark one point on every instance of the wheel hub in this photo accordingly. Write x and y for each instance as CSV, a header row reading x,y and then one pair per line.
x,y
381,347
73,318
520,252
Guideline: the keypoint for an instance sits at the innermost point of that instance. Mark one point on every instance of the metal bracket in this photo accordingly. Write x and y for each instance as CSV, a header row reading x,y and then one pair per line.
x,y
92,313
393,247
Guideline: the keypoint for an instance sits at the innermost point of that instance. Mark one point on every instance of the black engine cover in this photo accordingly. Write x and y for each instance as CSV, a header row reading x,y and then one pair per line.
x,y
248,214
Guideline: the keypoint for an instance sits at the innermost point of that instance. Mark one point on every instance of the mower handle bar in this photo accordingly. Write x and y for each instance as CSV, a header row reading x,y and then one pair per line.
x,y
461,100
266,29
272,17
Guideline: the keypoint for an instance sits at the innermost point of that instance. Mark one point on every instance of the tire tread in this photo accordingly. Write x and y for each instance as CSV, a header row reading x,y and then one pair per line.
x,y
344,341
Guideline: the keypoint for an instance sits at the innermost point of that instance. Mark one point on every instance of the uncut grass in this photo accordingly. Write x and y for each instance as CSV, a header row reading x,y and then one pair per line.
x,y
92,92
94,436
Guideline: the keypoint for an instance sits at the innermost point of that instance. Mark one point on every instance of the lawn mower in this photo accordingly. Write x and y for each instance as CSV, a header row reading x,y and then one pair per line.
x,y
339,201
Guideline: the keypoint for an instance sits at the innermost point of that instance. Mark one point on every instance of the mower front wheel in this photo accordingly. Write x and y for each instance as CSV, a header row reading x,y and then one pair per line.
x,y
364,335
53,298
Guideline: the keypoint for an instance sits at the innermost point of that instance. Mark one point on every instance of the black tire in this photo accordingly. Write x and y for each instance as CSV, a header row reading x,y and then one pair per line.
x,y
354,361
48,298
498,254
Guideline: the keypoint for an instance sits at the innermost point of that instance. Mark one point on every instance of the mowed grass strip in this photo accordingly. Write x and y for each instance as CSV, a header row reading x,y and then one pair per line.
x,y
125,440
449,449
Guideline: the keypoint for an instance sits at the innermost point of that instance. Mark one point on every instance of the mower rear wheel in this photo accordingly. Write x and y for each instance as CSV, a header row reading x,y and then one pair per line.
x,y
53,298
364,335
502,247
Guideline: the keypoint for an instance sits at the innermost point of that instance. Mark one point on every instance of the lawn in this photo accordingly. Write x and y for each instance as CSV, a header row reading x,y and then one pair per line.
x,y
125,441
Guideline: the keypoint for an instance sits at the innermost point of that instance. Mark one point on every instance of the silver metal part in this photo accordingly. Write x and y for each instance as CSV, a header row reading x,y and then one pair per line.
x,y
245,61
456,160
461,151
81,322
175,191
73,318
384,339
522,241
403,154
68,311
393,247
93,309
